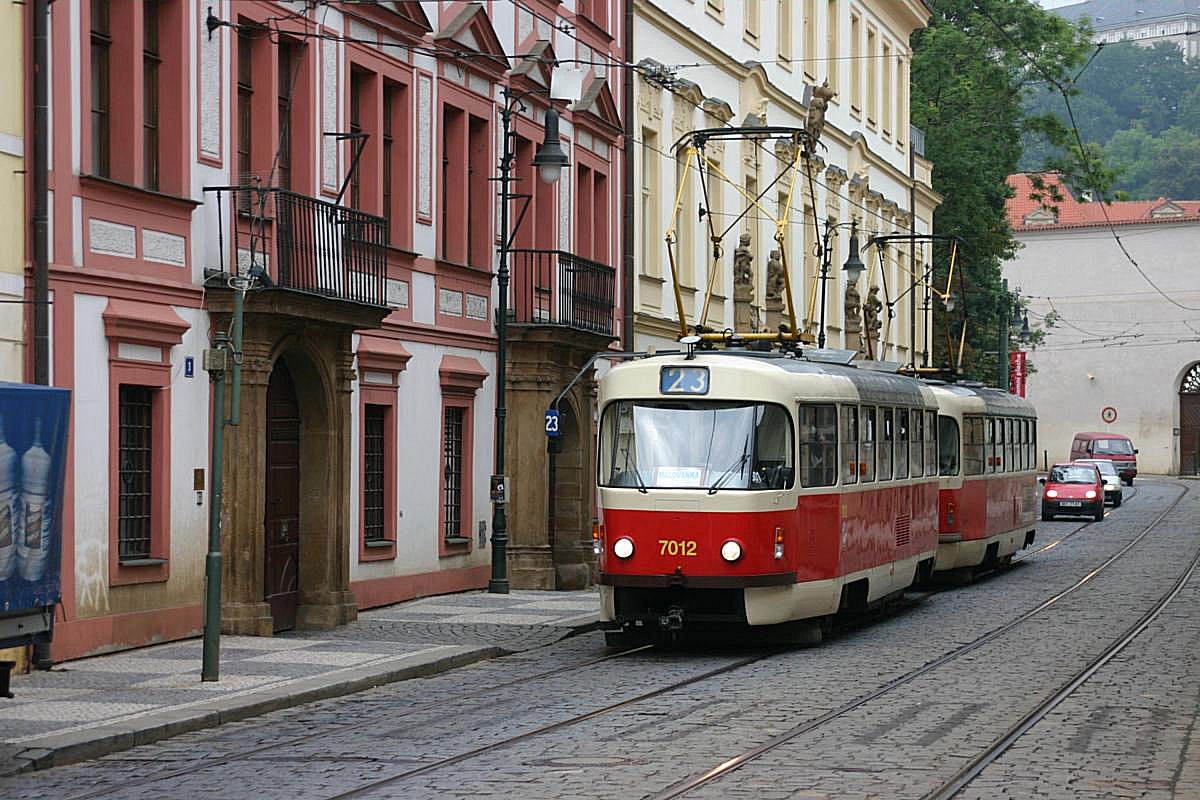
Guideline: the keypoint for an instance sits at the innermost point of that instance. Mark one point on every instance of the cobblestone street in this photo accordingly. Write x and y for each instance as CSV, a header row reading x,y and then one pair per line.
x,y
891,709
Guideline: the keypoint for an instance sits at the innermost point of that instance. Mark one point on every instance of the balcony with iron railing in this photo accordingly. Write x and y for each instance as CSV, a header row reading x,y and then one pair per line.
x,y
553,287
304,244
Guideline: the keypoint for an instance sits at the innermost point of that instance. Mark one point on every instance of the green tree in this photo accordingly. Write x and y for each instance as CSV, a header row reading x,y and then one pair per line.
x,y
973,67
1166,165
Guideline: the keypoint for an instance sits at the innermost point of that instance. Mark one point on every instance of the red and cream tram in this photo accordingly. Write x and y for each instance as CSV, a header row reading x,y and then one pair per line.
x,y
760,488
987,442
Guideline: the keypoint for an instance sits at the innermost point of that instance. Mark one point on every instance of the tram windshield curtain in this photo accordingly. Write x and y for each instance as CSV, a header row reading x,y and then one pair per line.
x,y
696,444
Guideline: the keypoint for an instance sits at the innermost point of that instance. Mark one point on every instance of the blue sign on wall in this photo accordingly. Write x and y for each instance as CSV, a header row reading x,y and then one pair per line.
x,y
33,456
552,423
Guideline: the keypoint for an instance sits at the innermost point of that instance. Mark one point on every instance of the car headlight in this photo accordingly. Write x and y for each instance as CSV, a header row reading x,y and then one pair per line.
x,y
1052,493
731,551
1090,494
623,547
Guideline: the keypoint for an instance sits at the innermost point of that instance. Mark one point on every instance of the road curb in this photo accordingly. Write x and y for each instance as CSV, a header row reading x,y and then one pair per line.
x,y
56,750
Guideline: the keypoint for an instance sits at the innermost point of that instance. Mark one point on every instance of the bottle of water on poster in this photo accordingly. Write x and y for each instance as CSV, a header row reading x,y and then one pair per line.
x,y
33,541
8,506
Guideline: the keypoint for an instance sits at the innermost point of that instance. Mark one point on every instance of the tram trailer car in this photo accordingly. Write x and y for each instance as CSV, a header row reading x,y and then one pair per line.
x,y
987,504
761,489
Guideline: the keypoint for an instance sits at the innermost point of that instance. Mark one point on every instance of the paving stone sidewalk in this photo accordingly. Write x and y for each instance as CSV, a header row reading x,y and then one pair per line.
x,y
89,707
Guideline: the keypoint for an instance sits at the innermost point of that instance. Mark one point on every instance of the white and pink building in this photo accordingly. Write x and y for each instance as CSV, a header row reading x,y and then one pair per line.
x,y
187,150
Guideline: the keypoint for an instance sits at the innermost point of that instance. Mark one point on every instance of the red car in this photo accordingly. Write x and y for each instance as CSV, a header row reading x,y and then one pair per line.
x,y
1075,489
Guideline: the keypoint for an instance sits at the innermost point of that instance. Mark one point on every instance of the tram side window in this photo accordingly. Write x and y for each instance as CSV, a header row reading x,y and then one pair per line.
x,y
916,449
1009,456
948,445
1033,442
818,445
1022,440
887,435
975,446
902,436
1030,453
773,467
990,444
849,444
931,443
867,451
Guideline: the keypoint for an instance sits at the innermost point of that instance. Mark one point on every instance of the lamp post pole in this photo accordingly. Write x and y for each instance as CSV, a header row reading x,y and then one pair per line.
x,y
550,161
853,266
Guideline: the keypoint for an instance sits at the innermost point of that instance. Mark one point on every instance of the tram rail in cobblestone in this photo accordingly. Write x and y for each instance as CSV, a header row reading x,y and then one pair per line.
x,y
729,765
980,762
333,729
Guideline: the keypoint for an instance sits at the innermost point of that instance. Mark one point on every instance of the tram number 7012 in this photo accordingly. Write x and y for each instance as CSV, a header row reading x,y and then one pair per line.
x,y
674,547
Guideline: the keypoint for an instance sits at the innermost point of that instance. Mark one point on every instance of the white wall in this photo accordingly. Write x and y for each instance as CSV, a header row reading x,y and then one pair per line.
x,y
1119,343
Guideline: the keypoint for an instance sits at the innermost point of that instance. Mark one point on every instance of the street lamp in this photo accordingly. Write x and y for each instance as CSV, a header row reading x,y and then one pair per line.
x,y
550,161
853,266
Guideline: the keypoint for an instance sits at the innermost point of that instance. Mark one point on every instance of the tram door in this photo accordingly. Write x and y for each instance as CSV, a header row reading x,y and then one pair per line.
x,y
1189,423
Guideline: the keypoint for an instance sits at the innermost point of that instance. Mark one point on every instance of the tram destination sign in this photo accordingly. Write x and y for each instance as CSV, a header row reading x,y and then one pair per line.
x,y
683,380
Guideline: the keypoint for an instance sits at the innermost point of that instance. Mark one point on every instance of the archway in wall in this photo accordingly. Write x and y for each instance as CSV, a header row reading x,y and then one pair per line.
x,y
1189,422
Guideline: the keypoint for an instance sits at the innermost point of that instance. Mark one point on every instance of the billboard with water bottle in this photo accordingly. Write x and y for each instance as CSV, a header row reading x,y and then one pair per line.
x,y
33,453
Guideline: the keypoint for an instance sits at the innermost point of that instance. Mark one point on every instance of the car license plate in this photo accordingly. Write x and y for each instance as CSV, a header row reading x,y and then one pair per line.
x,y
1071,503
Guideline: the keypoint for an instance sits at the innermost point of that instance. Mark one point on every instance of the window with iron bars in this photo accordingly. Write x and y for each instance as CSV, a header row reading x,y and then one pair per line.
x,y
452,472
374,472
136,414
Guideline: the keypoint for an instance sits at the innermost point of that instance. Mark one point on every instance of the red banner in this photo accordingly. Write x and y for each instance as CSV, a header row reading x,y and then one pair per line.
x,y
1017,372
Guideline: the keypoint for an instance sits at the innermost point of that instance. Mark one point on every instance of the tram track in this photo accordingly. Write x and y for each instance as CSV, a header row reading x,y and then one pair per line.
x,y
854,623
728,765
351,726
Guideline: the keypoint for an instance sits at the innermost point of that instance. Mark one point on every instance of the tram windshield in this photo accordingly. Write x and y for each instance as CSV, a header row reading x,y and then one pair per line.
x,y
696,444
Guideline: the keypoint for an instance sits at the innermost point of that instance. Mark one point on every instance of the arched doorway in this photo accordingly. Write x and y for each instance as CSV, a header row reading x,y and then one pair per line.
x,y
281,524
1189,422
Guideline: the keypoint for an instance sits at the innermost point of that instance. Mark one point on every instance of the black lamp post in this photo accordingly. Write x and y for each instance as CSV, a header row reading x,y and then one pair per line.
x,y
853,266
549,160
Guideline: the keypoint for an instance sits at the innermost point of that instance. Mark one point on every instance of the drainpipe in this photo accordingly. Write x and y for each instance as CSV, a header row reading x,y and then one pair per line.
x,y
40,167
627,275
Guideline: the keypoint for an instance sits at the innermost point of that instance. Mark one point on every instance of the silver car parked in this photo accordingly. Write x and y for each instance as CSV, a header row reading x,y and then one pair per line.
x,y
1112,480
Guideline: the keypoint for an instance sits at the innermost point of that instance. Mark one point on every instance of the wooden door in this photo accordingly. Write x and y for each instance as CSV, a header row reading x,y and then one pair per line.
x,y
1189,434
282,513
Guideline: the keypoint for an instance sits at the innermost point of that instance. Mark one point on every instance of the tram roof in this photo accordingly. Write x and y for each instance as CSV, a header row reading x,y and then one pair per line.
x,y
995,401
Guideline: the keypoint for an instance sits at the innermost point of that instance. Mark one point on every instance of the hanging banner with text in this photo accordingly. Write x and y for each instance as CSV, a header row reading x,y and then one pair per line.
x,y
1017,373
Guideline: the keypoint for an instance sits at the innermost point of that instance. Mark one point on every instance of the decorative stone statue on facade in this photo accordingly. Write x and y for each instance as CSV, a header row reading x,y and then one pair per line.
x,y
872,324
775,289
743,285
816,110
852,321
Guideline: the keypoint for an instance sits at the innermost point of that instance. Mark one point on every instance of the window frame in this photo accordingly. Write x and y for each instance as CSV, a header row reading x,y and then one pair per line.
x,y
885,448
848,444
900,464
460,379
156,377
959,453
868,420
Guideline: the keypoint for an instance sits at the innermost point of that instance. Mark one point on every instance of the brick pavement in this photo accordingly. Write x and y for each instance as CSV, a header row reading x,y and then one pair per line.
x,y
95,705
894,749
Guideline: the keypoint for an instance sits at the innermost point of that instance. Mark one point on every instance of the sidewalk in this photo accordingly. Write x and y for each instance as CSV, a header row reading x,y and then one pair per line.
x,y
90,707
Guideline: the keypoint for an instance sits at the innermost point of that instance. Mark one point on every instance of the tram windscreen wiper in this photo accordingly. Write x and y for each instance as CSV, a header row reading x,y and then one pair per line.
x,y
735,466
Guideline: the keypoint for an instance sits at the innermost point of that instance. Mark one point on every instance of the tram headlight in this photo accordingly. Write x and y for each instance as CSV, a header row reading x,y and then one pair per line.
x,y
1052,493
731,551
623,547
1090,494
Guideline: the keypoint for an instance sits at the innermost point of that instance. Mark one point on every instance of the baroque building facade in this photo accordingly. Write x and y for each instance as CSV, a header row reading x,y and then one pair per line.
x,y
713,64
341,157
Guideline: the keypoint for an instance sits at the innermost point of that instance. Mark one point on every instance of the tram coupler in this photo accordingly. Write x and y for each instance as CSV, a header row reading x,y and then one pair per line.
x,y
672,620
